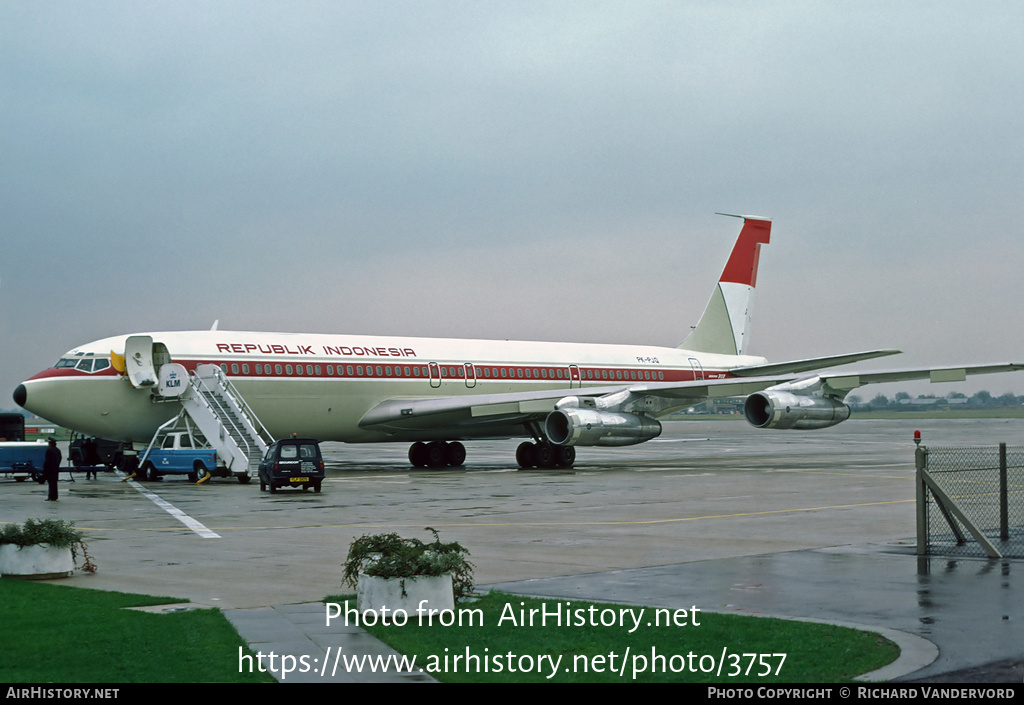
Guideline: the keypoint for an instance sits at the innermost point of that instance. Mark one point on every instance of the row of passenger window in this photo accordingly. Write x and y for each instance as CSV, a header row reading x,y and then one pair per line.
x,y
95,364
445,371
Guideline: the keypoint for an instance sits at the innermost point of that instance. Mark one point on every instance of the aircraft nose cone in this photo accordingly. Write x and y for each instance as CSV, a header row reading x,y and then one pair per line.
x,y
20,395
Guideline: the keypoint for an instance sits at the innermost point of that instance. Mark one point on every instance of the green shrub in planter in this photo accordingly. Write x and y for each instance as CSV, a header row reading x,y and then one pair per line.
x,y
55,533
391,556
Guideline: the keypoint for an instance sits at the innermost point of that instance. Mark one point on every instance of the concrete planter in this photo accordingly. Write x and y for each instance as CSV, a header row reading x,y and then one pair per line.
x,y
373,593
37,562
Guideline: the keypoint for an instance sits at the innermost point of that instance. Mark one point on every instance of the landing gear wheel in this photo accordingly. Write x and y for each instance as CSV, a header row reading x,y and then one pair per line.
x,y
526,455
545,455
418,454
565,456
437,454
455,454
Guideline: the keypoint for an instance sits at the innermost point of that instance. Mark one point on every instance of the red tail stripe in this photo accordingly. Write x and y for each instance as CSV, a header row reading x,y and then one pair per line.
x,y
742,265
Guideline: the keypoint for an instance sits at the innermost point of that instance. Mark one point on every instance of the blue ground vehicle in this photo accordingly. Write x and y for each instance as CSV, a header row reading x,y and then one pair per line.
x,y
179,454
23,459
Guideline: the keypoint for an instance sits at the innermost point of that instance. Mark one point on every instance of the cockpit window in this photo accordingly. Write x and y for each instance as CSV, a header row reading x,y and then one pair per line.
x,y
85,364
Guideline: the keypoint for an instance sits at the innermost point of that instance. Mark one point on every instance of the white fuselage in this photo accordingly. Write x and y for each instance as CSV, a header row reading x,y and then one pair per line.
x,y
320,386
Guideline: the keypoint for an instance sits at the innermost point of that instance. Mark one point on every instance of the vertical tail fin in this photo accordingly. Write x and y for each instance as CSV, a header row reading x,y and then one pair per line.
x,y
725,326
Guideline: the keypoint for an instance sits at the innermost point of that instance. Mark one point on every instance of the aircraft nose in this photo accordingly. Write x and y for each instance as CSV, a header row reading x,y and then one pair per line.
x,y
20,395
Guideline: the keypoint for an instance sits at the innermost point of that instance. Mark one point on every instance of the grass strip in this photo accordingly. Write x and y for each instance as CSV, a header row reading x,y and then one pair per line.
x,y
495,648
62,634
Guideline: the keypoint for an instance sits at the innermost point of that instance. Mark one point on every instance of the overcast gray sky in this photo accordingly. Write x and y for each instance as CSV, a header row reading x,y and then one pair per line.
x,y
534,170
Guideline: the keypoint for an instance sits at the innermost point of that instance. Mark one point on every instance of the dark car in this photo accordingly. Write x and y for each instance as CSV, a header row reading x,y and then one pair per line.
x,y
86,451
293,462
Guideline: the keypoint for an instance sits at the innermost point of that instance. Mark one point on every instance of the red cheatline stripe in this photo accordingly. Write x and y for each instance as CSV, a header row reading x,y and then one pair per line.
x,y
532,373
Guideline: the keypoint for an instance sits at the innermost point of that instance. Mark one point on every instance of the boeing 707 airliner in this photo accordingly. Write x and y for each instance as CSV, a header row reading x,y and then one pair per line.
x,y
436,393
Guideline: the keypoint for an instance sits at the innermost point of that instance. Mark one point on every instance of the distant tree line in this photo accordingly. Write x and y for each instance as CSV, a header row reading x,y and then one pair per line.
x,y
904,401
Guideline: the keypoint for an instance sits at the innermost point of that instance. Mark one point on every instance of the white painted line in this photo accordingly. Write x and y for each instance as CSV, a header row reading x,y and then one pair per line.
x,y
175,512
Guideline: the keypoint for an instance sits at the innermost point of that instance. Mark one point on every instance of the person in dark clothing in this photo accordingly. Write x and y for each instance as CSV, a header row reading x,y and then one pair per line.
x,y
92,458
51,468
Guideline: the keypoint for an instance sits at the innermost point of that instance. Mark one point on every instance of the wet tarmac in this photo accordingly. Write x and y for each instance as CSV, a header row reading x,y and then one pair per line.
x,y
714,513
970,609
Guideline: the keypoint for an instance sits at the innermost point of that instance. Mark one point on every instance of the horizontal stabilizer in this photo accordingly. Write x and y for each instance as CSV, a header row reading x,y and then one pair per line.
x,y
814,363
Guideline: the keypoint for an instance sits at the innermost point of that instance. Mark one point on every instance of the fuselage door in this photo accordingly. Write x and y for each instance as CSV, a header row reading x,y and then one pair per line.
x,y
138,361
161,356
470,374
435,374
698,371
575,380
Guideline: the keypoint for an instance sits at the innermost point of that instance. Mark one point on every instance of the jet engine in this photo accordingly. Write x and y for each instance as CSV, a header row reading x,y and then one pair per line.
x,y
589,427
778,409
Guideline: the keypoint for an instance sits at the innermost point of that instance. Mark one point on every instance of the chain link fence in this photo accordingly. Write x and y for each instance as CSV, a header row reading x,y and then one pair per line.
x,y
971,496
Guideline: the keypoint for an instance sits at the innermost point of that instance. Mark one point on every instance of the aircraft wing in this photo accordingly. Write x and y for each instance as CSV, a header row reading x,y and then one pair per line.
x,y
476,413
415,413
493,410
815,363
412,413
847,382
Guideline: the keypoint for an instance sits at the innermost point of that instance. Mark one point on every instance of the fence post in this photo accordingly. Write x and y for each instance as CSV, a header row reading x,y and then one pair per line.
x,y
1004,512
920,462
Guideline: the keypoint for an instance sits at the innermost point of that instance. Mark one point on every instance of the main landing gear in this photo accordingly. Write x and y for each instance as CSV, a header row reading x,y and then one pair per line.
x,y
545,455
437,454
442,454
542,453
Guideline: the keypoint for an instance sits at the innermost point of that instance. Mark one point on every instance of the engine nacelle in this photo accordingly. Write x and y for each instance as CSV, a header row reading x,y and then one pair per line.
x,y
588,427
781,410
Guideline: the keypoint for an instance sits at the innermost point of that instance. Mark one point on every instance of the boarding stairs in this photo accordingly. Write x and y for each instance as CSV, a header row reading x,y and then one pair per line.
x,y
220,413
